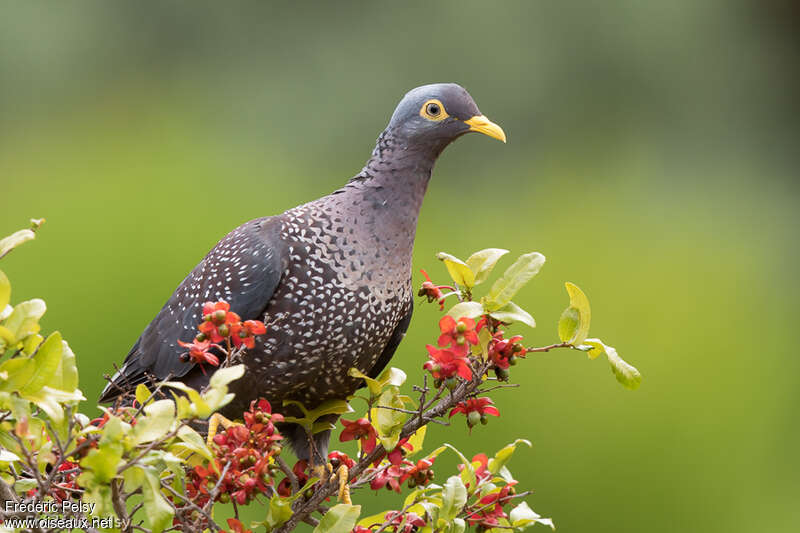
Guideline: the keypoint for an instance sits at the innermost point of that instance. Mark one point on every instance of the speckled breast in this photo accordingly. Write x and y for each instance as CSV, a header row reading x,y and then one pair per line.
x,y
340,298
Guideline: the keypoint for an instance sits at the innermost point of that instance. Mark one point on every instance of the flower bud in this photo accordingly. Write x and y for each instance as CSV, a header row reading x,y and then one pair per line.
x,y
484,420
502,374
461,327
473,418
219,316
460,340
451,383
512,360
223,330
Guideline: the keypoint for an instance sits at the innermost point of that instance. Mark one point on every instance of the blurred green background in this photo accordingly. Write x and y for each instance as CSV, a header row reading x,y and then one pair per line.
x,y
652,158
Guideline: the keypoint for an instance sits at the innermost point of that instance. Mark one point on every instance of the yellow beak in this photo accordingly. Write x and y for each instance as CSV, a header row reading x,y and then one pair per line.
x,y
481,124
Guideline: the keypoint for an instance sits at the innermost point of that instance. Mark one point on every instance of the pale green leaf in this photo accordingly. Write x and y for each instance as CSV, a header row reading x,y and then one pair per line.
x,y
15,373
466,309
504,455
454,497
223,376
142,393
24,319
68,369
373,520
340,518
468,473
458,270
47,360
390,376
625,373
513,279
5,290
458,525
573,326
481,263
158,419
416,440
513,313
159,513
15,239
389,422
522,516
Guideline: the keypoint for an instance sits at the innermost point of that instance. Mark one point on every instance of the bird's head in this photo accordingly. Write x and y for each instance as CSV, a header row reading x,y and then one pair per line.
x,y
435,115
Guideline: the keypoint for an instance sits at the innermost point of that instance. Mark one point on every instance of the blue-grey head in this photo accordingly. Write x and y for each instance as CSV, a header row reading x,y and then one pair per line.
x,y
433,116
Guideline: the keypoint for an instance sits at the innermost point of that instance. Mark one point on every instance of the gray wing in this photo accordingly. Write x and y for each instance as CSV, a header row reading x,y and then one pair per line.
x,y
244,269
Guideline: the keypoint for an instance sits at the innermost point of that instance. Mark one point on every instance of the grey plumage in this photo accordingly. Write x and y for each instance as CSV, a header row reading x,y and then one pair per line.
x,y
330,278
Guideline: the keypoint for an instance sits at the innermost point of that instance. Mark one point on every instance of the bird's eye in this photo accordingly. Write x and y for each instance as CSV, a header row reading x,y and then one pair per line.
x,y
433,110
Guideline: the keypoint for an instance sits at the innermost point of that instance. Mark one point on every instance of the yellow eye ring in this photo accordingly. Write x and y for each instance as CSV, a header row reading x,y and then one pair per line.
x,y
433,110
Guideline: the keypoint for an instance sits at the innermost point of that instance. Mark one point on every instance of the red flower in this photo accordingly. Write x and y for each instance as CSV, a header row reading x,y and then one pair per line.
x,y
217,320
237,527
431,291
396,456
460,334
300,472
483,406
199,352
410,521
420,473
503,352
244,333
389,476
490,507
360,429
445,364
337,458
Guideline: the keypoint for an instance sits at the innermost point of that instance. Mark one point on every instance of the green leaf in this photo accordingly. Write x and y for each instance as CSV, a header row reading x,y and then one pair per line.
x,y
15,239
339,519
223,376
389,422
279,511
15,373
47,360
573,326
459,525
159,513
454,497
5,290
157,421
458,270
373,520
390,376
468,473
310,418
504,455
103,461
513,313
68,370
416,440
142,393
513,279
626,374
24,319
482,263
522,517
466,309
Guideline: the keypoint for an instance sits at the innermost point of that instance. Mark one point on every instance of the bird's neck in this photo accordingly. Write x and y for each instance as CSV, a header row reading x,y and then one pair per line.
x,y
391,186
